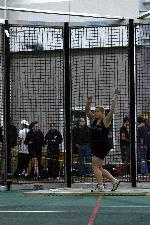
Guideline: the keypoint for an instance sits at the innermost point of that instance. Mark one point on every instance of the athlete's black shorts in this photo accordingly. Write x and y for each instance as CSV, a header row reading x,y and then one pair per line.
x,y
100,149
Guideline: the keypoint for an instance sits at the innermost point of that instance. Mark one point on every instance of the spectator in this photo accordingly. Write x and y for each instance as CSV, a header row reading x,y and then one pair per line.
x,y
35,141
1,134
142,146
53,139
13,136
23,154
148,149
81,140
125,144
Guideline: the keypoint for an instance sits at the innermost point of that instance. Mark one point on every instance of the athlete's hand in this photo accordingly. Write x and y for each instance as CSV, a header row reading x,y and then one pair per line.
x,y
115,94
89,99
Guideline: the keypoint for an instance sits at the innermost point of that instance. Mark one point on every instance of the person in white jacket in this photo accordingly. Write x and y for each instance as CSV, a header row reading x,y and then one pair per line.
x,y
23,154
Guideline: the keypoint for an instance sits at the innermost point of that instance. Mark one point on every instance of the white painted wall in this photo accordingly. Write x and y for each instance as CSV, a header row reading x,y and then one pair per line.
x,y
123,8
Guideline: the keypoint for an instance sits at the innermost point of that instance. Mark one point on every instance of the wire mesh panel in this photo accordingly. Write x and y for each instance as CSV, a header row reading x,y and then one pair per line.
x,y
2,156
99,64
143,102
37,84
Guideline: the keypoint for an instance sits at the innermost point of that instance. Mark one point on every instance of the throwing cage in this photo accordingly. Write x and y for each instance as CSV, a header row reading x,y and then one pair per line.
x,y
46,74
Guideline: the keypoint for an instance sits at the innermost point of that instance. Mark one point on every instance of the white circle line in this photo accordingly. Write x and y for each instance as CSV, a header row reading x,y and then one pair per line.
x,y
35,211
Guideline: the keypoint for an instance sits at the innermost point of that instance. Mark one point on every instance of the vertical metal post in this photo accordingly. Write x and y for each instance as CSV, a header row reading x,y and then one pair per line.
x,y
7,106
67,100
132,102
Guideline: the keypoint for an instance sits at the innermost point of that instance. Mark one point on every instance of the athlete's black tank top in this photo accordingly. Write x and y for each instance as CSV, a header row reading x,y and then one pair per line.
x,y
99,132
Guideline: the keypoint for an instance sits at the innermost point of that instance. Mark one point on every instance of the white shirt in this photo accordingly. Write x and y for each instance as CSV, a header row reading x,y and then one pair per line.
x,y
22,135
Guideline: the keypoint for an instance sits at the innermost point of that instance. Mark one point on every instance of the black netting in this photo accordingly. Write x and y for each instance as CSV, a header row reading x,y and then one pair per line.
x,y
143,92
99,64
37,79
2,156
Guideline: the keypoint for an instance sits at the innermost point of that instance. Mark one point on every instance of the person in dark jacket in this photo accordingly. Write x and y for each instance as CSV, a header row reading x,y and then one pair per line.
x,y
53,139
1,134
13,135
35,141
81,140
142,146
124,141
125,145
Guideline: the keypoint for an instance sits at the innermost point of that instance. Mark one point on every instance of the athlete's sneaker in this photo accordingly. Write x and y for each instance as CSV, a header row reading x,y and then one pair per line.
x,y
115,185
99,187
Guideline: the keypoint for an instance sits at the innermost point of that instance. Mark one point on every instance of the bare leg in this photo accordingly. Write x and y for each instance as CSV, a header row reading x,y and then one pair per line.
x,y
99,172
96,166
114,181
106,174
